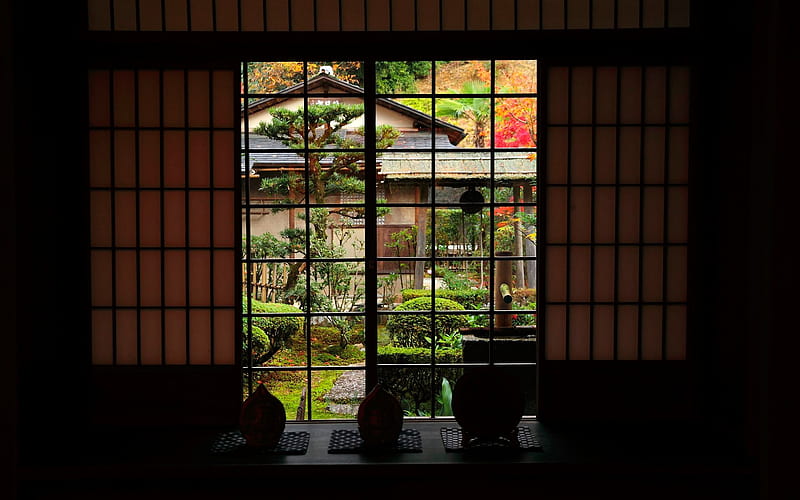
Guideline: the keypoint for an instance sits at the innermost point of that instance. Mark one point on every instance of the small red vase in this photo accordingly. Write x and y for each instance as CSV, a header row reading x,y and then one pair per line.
x,y
380,418
262,419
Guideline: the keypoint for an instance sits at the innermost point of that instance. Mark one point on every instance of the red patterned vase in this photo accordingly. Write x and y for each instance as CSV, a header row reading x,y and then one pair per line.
x,y
262,419
380,418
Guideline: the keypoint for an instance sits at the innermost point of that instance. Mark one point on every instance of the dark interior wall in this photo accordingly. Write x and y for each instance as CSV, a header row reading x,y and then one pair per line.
x,y
749,183
50,259
773,297
8,303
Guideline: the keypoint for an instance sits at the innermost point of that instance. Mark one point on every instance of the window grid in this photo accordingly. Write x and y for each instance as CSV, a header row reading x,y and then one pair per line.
x,y
371,260
134,238
644,324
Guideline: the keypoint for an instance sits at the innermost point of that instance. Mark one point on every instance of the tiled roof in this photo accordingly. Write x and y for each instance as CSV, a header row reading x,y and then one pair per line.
x,y
461,166
322,82
279,154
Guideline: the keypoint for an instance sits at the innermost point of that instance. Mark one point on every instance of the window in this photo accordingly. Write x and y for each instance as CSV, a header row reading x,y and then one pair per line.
x,y
370,191
165,240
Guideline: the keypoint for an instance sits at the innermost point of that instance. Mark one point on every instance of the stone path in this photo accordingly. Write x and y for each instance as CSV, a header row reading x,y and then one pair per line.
x,y
347,392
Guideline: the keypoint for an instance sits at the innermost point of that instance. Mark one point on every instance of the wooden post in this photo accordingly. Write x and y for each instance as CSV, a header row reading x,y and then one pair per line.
x,y
264,297
502,274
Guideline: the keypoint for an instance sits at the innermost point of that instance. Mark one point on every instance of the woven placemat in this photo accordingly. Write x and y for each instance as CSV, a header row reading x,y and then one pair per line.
x,y
349,441
525,441
233,443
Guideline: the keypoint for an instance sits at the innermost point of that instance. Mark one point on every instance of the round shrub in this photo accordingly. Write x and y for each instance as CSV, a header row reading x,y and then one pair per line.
x,y
260,341
411,330
469,298
413,385
270,334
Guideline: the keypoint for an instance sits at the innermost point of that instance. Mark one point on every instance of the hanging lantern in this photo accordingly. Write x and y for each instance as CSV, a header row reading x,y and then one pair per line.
x,y
471,201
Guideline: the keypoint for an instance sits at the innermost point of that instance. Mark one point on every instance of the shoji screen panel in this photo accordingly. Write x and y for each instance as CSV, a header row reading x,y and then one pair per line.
x,y
163,225
384,15
615,195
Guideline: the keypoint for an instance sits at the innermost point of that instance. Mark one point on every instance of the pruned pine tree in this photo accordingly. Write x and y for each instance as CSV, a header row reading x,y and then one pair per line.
x,y
334,165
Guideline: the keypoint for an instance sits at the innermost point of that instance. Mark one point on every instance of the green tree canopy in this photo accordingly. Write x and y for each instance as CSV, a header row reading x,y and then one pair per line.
x,y
329,171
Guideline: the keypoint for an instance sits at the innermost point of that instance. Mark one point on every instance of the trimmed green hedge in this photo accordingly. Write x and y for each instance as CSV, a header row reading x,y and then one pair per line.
x,y
470,299
412,385
410,330
270,334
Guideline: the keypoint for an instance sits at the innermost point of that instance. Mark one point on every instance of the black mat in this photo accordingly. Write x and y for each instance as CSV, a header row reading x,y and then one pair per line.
x,y
233,443
524,440
349,441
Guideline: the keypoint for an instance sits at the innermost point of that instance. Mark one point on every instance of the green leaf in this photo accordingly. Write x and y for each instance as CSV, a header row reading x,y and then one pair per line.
x,y
447,398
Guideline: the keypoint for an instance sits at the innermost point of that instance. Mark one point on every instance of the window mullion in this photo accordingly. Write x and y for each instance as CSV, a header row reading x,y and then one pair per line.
x,y
370,227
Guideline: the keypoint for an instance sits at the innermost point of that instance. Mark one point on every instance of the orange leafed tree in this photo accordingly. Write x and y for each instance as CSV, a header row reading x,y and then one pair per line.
x,y
515,124
268,77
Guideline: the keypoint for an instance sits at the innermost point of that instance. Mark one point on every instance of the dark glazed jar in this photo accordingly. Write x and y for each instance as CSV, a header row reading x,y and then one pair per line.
x,y
488,402
380,418
262,419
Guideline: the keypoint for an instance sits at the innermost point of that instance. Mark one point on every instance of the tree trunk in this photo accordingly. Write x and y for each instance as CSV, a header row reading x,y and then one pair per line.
x,y
530,246
518,243
421,222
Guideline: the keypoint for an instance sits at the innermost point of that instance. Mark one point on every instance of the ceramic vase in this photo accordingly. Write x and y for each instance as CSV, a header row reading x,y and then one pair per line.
x,y
262,419
488,403
380,418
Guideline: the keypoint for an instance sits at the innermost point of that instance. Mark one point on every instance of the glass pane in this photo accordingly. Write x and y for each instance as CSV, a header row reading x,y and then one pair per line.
x,y
275,236
335,286
459,234
477,326
408,329
514,290
515,122
519,189
464,281
337,393
472,114
411,325
275,185
351,73
417,388
406,124
410,385
396,275
275,232
455,170
463,77
278,119
402,77
514,230
272,77
405,175
336,340
335,122
515,76
287,386
273,340
345,232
